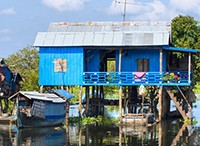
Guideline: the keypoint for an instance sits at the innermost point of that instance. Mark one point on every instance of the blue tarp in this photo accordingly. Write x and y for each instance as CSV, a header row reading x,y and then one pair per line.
x,y
64,93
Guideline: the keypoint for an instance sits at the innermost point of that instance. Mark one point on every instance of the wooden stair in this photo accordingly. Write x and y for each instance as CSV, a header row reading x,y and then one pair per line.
x,y
179,135
177,104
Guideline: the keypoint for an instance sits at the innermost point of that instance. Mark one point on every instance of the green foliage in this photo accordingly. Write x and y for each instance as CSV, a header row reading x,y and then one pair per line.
x,y
75,91
193,122
186,34
185,31
25,62
111,66
197,88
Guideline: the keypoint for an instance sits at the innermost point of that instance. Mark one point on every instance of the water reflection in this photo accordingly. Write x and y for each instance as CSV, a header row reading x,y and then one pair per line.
x,y
165,133
49,136
162,134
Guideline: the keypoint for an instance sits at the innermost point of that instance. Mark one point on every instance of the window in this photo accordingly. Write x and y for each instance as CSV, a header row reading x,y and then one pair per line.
x,y
143,65
60,65
111,65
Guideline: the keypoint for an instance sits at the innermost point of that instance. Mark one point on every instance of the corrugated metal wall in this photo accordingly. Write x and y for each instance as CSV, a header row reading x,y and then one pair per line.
x,y
73,75
129,61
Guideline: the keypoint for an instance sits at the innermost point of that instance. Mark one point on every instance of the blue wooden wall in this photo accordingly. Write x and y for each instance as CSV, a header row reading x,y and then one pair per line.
x,y
164,61
92,60
73,75
129,61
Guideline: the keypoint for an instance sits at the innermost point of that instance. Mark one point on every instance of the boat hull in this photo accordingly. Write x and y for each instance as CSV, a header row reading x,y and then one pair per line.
x,y
23,121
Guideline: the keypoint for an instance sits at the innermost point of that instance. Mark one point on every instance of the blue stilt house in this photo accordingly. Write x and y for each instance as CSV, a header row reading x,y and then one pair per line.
x,y
78,54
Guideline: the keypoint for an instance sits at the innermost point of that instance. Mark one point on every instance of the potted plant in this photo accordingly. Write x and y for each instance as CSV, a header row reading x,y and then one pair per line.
x,y
166,77
169,77
176,78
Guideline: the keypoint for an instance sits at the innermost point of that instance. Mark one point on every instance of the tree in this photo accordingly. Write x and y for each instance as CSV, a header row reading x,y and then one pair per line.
x,y
25,62
186,34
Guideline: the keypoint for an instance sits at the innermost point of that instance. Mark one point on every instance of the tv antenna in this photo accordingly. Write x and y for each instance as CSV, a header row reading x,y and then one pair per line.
x,y
125,3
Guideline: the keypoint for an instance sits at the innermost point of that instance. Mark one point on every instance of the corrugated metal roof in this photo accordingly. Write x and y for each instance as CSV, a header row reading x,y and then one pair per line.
x,y
39,96
104,34
179,49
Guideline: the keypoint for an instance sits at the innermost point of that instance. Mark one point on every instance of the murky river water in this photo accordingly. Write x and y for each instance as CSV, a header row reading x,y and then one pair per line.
x,y
162,134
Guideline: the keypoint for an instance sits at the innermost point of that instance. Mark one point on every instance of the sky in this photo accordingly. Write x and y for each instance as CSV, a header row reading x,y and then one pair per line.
x,y
20,20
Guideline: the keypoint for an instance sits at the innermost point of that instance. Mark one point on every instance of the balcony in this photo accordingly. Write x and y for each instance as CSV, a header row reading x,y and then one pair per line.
x,y
136,78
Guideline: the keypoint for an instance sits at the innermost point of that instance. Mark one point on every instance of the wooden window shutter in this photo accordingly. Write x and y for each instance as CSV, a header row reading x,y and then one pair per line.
x,y
60,65
146,65
140,64
143,65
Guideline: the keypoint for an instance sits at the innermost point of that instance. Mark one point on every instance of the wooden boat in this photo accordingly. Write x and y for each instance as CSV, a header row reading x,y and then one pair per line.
x,y
138,119
35,109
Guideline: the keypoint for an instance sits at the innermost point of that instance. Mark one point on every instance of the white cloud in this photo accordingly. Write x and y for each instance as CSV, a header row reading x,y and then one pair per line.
x,y
63,5
186,6
156,11
8,11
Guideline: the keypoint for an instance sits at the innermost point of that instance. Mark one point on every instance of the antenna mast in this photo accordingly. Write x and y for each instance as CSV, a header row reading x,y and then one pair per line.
x,y
124,15
125,4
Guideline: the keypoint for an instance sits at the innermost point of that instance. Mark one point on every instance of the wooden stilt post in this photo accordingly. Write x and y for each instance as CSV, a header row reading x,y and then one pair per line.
x,y
120,135
129,98
87,100
80,136
189,67
97,104
80,101
135,98
125,99
93,98
102,99
120,102
160,103
41,89
120,88
61,87
166,105
160,138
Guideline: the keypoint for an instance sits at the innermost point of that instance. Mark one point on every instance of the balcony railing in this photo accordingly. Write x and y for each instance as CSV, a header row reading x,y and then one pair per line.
x,y
136,78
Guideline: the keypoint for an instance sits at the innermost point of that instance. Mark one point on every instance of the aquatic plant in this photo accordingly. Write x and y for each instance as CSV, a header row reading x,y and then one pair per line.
x,y
100,120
